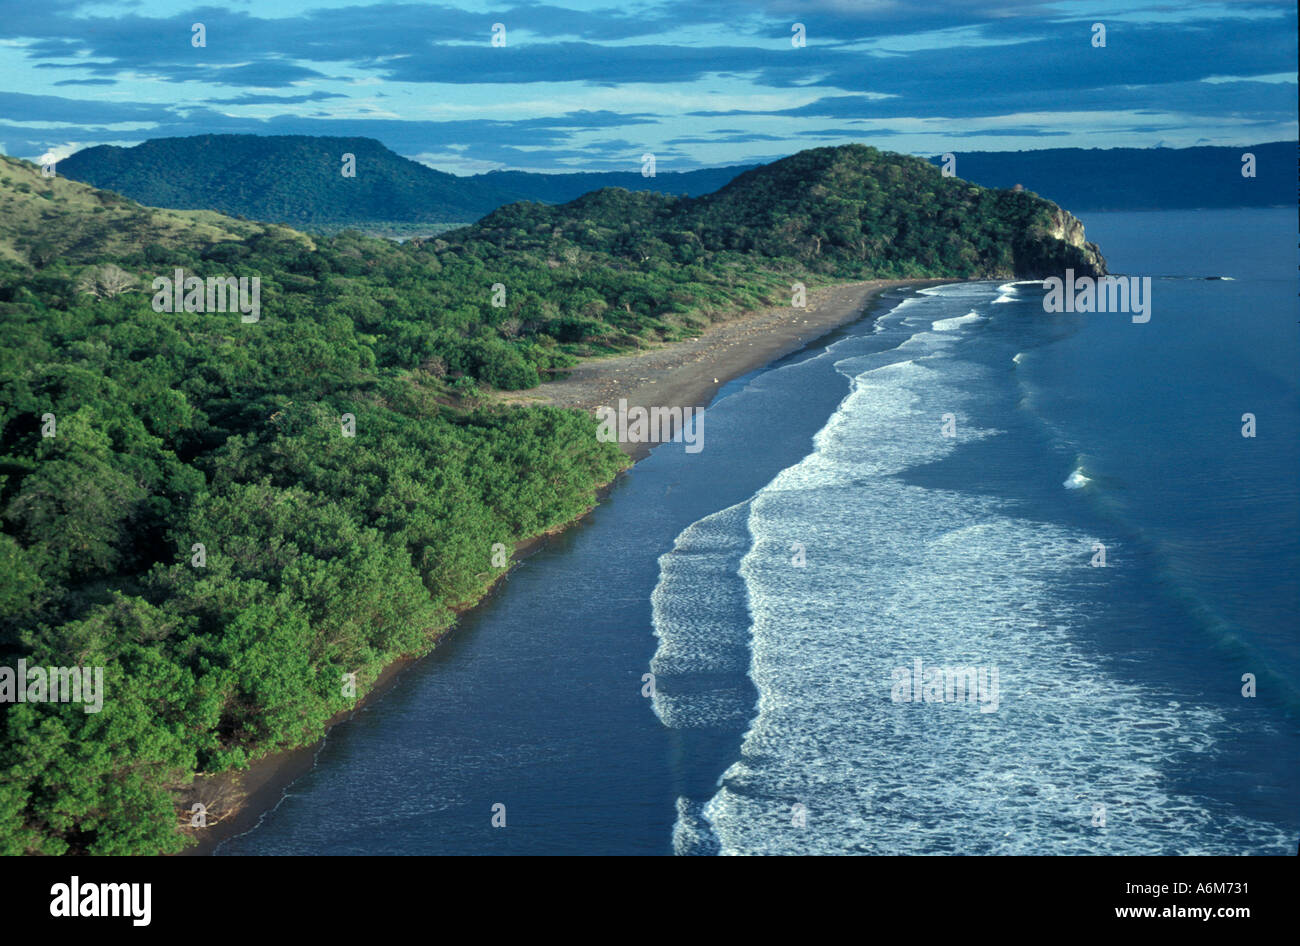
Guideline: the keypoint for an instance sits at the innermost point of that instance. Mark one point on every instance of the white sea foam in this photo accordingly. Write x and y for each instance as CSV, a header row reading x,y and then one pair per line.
x,y
1077,480
702,648
955,290
951,325
897,571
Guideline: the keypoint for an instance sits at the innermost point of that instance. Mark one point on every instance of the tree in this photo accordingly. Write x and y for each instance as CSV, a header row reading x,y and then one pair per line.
x,y
106,282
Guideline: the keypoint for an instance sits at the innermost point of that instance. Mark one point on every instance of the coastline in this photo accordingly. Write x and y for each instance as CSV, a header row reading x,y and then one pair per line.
x,y
690,373
683,374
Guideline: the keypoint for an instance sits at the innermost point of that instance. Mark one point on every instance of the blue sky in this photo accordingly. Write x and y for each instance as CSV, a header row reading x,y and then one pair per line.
x,y
592,85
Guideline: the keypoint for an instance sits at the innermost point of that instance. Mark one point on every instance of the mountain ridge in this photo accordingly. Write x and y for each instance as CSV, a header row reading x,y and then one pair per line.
x,y
1106,179
296,179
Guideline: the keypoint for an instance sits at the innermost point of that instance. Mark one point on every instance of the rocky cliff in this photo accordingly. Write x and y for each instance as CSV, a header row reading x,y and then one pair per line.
x,y
1058,245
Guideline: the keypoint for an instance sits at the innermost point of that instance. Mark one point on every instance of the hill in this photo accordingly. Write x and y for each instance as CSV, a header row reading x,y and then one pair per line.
x,y
48,218
1141,178
846,212
291,179
298,180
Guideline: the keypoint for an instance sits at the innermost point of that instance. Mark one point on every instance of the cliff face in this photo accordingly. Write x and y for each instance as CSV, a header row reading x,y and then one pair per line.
x,y
1059,246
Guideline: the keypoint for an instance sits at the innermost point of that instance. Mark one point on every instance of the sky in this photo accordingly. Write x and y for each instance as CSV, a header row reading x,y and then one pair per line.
x,y
590,85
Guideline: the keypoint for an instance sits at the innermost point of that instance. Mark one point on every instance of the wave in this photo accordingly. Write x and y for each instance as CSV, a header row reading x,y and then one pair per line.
x,y
702,649
1011,286
896,571
949,325
691,832
1077,480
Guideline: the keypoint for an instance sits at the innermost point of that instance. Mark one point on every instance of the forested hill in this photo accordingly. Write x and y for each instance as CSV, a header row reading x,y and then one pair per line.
x,y
298,180
849,212
1142,178
293,179
242,522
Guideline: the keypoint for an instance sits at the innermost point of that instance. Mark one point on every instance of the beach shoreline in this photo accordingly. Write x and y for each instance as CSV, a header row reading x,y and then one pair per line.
x,y
682,374
690,373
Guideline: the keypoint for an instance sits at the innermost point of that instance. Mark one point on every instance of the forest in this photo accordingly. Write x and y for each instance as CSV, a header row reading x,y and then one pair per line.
x,y
235,519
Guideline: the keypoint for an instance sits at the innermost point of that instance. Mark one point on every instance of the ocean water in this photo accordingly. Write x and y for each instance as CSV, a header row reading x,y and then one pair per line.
x,y
938,485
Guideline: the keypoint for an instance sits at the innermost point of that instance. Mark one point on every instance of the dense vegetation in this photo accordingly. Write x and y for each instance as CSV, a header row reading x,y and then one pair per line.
x,y
329,554
296,179
848,212
325,554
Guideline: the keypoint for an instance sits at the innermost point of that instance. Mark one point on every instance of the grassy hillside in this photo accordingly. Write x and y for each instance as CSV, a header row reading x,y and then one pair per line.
x,y
56,218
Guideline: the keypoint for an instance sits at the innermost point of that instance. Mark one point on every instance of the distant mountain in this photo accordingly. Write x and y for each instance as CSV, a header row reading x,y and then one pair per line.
x,y
1140,178
561,188
291,179
298,180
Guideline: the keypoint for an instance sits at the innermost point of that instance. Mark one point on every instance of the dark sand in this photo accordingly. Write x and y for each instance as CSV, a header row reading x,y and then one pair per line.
x,y
685,374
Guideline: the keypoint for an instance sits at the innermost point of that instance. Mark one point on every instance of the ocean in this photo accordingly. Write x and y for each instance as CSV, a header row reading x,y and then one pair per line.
x,y
1062,503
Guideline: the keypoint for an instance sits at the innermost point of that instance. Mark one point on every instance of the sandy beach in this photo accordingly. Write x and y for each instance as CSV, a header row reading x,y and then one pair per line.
x,y
689,373
684,374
